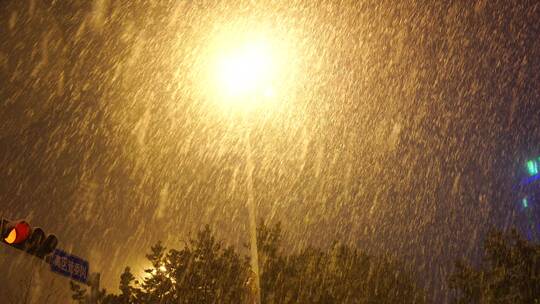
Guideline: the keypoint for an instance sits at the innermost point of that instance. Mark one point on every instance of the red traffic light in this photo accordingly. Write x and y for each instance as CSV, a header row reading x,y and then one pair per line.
x,y
33,240
18,233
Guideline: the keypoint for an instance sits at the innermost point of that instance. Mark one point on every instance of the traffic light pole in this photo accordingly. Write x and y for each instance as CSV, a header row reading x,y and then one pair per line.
x,y
93,297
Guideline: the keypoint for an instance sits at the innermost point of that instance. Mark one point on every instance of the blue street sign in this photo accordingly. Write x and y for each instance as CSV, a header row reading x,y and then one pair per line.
x,y
70,266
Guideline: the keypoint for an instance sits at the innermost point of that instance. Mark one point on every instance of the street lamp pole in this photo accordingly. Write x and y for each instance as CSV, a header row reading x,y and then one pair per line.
x,y
245,76
254,260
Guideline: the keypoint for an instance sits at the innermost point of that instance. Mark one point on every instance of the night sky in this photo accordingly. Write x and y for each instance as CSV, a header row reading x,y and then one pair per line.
x,y
401,128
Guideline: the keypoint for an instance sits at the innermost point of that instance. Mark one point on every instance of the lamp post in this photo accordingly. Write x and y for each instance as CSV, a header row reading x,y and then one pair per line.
x,y
254,260
247,68
243,76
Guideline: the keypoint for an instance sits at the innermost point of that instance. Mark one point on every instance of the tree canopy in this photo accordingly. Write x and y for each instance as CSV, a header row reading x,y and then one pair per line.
x,y
508,273
207,271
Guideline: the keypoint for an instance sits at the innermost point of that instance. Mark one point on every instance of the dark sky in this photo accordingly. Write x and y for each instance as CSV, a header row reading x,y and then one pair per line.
x,y
405,137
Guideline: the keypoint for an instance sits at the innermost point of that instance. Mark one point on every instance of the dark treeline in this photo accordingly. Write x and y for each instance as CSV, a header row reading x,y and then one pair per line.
x,y
207,271
508,273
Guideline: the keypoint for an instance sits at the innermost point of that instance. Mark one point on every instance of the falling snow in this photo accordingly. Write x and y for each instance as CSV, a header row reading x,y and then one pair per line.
x,y
399,128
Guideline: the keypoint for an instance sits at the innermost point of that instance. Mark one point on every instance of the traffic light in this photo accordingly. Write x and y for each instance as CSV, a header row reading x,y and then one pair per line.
x,y
20,235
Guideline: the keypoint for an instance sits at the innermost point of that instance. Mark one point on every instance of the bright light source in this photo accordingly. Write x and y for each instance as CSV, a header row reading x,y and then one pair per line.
x,y
245,70
247,65
532,167
12,236
245,73
19,233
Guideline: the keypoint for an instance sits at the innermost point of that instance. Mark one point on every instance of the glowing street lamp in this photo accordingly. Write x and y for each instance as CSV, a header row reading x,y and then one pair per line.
x,y
244,75
246,71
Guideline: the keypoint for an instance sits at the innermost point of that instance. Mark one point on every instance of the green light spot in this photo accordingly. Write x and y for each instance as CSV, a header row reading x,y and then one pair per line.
x,y
532,167
525,202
